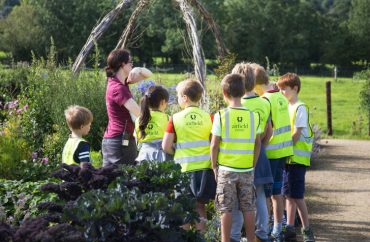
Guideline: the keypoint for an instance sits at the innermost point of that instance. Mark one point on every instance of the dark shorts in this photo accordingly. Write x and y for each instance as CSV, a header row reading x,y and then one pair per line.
x,y
277,167
294,181
203,185
115,153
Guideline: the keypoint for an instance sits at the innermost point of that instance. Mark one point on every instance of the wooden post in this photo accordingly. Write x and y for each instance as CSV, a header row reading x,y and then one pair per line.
x,y
328,107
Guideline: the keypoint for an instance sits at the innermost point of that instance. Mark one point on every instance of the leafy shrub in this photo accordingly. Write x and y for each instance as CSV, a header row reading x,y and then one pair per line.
x,y
16,161
149,203
365,95
19,199
50,91
96,158
11,79
14,151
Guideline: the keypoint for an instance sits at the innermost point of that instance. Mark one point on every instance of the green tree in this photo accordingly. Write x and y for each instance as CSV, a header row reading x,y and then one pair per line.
x,y
22,32
359,26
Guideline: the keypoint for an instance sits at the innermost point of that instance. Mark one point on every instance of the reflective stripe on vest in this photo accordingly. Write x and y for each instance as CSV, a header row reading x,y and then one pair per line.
x,y
155,128
238,137
69,149
193,129
258,105
303,147
193,144
280,144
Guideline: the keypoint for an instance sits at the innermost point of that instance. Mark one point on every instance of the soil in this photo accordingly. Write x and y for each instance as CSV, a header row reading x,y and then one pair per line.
x,y
338,191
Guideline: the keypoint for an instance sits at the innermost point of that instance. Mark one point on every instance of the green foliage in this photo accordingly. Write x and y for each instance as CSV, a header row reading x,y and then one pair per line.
x,y
19,200
225,66
358,25
14,153
22,32
11,79
365,95
97,159
156,203
49,92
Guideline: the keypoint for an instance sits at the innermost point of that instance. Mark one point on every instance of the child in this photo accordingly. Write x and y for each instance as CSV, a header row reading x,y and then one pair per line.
x,y
280,146
190,131
262,171
235,148
150,126
295,169
77,150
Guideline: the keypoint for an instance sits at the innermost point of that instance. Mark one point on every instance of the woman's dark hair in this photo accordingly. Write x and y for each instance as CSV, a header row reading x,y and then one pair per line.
x,y
152,99
115,60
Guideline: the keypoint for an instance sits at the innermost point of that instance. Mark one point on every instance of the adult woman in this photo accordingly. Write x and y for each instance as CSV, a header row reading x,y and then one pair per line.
x,y
118,146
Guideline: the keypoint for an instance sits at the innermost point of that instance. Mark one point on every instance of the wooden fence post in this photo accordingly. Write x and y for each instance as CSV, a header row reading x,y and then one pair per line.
x,y
328,107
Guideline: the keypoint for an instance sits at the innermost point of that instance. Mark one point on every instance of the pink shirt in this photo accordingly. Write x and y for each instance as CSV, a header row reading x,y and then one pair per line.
x,y
116,96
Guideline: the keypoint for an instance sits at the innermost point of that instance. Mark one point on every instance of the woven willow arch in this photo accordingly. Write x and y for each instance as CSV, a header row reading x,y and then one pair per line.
x,y
186,7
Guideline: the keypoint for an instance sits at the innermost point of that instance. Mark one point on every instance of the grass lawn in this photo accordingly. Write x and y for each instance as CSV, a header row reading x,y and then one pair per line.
x,y
345,103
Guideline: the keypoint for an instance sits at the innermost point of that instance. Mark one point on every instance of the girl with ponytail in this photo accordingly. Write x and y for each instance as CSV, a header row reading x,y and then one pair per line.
x,y
151,125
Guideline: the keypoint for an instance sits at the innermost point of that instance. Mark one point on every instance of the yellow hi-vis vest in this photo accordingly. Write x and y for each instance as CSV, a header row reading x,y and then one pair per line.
x,y
258,105
193,129
238,136
280,144
303,147
69,149
155,129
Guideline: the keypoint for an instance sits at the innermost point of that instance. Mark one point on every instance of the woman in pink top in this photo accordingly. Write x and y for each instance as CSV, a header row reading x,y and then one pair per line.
x,y
118,146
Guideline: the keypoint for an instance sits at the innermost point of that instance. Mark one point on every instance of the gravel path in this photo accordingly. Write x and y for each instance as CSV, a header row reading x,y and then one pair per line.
x,y
338,191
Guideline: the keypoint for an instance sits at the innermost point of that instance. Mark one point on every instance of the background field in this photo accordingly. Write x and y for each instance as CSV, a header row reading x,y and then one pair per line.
x,y
347,119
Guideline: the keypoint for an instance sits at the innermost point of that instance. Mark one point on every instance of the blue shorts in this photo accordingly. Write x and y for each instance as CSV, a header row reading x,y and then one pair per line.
x,y
203,185
277,167
294,181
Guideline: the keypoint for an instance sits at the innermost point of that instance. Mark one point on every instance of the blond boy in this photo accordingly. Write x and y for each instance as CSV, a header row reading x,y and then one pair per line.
x,y
77,150
189,131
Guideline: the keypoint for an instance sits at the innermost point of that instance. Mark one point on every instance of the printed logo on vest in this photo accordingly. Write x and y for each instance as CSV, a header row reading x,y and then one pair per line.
x,y
192,119
239,126
150,126
281,102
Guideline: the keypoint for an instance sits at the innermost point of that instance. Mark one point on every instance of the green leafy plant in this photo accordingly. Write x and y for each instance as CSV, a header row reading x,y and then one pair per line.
x,y
19,199
365,96
51,89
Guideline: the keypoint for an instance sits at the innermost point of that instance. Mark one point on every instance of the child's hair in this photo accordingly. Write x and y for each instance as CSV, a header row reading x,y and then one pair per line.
x,y
260,74
291,80
246,71
191,88
76,116
115,60
152,99
233,85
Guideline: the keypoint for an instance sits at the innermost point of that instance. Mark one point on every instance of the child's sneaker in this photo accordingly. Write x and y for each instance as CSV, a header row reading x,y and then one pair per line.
x,y
290,234
277,237
308,235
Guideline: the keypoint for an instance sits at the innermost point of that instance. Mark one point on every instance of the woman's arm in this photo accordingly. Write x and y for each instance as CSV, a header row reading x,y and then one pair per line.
x,y
138,74
132,107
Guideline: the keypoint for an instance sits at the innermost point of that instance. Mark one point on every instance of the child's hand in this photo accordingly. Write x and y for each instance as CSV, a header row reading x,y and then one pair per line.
x,y
215,171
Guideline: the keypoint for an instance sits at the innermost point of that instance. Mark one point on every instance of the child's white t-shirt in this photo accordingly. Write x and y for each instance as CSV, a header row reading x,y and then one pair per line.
x,y
301,119
216,130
